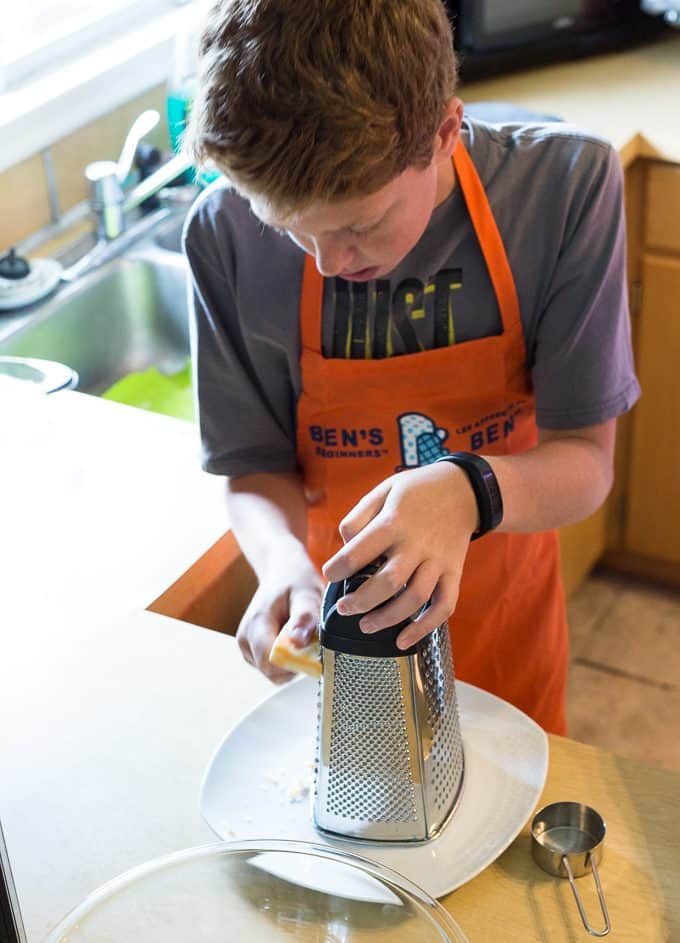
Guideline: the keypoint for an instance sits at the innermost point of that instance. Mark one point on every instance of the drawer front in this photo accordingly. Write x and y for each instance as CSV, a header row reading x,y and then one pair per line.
x,y
662,216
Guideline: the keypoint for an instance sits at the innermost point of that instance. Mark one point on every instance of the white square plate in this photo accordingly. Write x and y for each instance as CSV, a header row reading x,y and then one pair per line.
x,y
257,785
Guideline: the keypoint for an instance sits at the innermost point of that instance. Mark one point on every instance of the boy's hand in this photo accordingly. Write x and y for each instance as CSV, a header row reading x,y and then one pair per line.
x,y
421,521
291,591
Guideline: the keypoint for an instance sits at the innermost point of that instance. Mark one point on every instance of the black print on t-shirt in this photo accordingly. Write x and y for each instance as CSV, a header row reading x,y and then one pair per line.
x,y
372,319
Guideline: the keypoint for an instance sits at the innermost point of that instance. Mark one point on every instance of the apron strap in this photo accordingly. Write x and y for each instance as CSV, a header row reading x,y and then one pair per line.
x,y
311,306
489,238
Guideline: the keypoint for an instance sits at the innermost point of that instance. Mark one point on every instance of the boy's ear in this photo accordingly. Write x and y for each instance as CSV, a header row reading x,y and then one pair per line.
x,y
449,128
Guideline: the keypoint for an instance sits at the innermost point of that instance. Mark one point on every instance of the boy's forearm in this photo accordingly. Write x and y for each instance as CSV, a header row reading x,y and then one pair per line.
x,y
268,515
563,480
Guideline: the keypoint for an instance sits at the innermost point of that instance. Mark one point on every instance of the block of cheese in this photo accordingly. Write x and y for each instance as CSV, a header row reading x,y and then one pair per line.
x,y
285,654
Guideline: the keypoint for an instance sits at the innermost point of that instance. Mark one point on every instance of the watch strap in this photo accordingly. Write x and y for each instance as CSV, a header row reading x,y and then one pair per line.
x,y
485,487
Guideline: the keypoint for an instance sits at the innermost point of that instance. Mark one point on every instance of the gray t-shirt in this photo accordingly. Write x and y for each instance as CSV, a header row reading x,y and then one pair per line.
x,y
556,194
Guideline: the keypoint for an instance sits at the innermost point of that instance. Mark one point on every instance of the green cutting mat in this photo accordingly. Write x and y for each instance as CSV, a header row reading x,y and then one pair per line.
x,y
159,392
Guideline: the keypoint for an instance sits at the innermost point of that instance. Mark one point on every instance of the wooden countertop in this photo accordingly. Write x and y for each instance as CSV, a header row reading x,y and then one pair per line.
x,y
111,712
631,97
514,900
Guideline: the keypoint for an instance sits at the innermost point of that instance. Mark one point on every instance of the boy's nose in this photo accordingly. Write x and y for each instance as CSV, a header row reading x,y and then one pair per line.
x,y
333,258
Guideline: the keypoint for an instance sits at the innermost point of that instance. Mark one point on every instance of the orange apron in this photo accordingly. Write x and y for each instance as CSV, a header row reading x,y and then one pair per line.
x,y
359,421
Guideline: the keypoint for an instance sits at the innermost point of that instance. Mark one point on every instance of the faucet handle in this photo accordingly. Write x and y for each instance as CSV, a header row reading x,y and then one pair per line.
x,y
111,174
146,122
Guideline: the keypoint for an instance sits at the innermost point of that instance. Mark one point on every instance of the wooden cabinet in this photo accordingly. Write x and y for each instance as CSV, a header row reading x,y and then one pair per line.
x,y
662,207
643,532
638,530
581,546
653,509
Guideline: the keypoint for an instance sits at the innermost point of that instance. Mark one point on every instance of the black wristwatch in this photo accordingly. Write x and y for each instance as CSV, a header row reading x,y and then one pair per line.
x,y
485,486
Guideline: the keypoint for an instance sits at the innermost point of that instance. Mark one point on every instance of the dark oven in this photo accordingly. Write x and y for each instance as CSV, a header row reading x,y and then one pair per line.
x,y
494,36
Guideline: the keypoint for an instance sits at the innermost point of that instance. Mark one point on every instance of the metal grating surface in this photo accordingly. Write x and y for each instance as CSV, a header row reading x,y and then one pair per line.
x,y
317,749
369,774
445,767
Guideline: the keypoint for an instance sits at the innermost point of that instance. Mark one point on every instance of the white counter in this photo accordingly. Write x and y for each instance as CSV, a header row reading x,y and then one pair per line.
x,y
109,713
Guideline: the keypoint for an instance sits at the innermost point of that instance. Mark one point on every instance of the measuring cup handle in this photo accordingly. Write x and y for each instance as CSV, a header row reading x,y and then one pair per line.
x,y
570,874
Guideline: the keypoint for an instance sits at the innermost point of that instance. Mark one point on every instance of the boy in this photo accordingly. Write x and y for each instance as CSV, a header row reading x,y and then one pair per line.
x,y
410,332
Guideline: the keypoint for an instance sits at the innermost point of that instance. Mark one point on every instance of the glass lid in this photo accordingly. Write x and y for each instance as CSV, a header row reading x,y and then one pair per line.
x,y
259,892
41,376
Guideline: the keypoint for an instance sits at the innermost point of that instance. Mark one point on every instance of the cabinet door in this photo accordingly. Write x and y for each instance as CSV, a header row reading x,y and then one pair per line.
x,y
653,518
663,207
581,545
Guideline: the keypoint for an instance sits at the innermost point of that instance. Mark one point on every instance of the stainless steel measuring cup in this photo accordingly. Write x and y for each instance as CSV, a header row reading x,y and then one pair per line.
x,y
567,841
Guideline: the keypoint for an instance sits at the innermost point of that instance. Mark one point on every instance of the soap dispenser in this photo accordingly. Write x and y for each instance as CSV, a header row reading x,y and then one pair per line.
x,y
182,83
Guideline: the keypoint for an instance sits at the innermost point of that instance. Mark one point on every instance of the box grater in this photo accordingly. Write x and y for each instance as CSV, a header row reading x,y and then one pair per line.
x,y
389,764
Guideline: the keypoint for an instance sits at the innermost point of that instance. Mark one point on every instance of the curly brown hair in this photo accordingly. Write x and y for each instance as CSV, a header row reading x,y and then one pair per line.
x,y
320,100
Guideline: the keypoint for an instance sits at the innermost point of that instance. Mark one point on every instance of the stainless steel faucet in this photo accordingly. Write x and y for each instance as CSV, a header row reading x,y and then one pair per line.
x,y
108,200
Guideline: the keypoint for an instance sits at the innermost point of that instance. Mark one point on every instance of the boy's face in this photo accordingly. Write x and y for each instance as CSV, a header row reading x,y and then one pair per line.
x,y
367,237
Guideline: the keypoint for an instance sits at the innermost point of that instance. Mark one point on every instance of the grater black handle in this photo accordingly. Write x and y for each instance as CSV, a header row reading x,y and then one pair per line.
x,y
342,633
353,582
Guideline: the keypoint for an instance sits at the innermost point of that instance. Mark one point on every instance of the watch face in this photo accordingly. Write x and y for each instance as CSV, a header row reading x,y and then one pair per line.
x,y
494,492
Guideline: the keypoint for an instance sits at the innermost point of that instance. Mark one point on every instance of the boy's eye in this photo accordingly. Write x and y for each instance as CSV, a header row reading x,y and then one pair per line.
x,y
364,232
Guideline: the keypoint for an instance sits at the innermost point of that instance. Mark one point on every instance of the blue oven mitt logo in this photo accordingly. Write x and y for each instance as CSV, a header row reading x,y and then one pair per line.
x,y
420,439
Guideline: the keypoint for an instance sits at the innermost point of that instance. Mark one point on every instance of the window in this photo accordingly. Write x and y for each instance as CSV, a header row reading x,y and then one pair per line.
x,y
38,35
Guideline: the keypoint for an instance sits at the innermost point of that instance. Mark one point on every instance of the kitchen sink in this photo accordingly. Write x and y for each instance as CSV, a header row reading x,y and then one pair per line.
x,y
125,316
169,237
